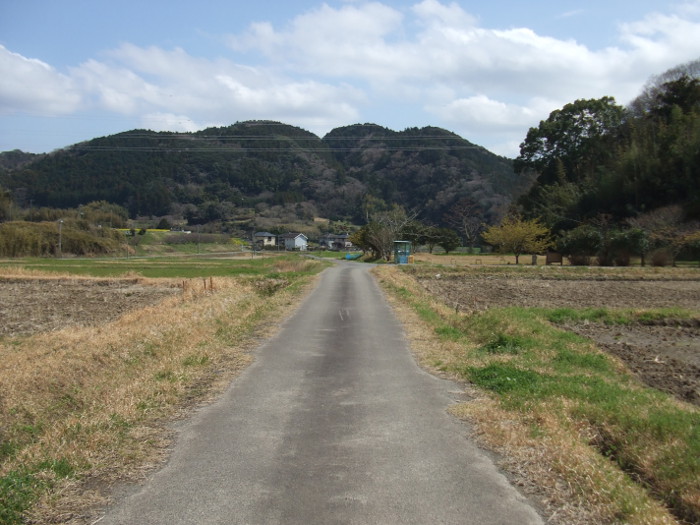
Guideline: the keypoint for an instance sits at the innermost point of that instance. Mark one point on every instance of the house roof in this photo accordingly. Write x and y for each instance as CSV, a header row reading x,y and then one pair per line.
x,y
264,234
293,236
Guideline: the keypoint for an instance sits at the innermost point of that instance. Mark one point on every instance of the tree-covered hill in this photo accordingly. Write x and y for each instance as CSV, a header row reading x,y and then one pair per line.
x,y
214,174
11,160
428,169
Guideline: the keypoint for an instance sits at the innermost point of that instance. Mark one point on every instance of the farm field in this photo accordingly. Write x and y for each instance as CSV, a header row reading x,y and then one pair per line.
x,y
664,353
30,306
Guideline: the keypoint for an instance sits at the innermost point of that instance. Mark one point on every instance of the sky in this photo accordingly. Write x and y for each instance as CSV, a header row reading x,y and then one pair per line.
x,y
73,70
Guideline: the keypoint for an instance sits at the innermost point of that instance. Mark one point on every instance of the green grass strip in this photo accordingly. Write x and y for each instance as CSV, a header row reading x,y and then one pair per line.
x,y
20,488
528,363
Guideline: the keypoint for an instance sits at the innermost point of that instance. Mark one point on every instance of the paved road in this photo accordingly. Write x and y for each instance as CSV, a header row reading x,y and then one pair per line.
x,y
333,424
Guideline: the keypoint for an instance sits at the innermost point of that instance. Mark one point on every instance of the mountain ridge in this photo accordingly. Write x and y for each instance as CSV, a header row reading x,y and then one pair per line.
x,y
205,175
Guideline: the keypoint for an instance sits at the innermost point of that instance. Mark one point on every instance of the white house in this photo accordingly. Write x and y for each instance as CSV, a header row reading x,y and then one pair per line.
x,y
294,241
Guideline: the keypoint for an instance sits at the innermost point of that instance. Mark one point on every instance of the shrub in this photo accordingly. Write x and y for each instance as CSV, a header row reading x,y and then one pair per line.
x,y
580,244
661,257
625,243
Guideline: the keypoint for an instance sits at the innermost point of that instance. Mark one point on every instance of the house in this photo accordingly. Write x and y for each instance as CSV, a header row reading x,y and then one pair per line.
x,y
265,239
334,241
294,241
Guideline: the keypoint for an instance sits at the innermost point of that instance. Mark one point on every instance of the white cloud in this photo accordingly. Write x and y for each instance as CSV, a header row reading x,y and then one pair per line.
x,y
373,45
324,30
488,114
352,41
325,66
171,122
114,88
32,86
571,14
660,39
172,87
500,125
435,14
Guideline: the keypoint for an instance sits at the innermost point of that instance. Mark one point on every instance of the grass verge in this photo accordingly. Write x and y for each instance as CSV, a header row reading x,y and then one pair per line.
x,y
85,407
601,447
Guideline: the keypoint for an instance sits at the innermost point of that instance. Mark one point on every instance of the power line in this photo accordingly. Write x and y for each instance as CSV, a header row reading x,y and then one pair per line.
x,y
151,149
210,143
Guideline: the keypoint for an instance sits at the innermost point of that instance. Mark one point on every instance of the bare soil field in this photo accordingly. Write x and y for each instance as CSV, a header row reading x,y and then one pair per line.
x,y
665,354
29,306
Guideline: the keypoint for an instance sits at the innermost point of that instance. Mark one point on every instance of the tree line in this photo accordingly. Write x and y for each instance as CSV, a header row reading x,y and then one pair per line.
x,y
613,182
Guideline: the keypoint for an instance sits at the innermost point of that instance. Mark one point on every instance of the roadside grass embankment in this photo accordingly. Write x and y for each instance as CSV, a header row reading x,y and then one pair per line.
x,y
569,420
85,407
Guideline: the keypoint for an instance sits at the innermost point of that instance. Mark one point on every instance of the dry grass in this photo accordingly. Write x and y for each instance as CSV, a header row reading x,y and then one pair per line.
x,y
293,265
97,399
551,458
472,260
500,263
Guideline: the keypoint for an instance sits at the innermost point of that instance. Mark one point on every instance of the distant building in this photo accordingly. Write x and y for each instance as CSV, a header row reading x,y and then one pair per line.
x,y
265,239
334,241
294,241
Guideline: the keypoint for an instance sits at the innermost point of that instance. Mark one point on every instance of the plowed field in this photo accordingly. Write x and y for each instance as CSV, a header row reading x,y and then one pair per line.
x,y
29,306
665,355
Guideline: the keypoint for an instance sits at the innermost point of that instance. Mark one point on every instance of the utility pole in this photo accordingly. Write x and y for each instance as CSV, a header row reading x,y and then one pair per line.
x,y
60,238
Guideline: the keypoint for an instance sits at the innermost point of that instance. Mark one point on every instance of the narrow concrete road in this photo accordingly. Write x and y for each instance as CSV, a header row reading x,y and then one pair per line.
x,y
333,424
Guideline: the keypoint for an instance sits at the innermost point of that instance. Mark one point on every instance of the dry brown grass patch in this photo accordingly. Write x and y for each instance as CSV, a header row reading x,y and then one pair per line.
x,y
99,397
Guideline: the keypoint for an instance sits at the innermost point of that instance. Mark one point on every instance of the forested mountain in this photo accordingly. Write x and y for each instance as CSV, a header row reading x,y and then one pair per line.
x,y
429,169
270,167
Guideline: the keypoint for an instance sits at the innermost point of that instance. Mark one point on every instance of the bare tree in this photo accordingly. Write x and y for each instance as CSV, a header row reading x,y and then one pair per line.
x,y
467,217
666,229
384,228
393,222
655,86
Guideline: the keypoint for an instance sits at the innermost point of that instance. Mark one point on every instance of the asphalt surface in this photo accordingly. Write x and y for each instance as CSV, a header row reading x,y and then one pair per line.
x,y
332,424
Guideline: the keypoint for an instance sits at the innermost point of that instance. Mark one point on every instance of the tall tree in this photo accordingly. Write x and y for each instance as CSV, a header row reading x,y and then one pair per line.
x,y
5,205
571,135
653,90
448,239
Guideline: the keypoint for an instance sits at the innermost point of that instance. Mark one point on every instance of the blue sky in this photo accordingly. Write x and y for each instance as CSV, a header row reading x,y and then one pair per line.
x,y
72,70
